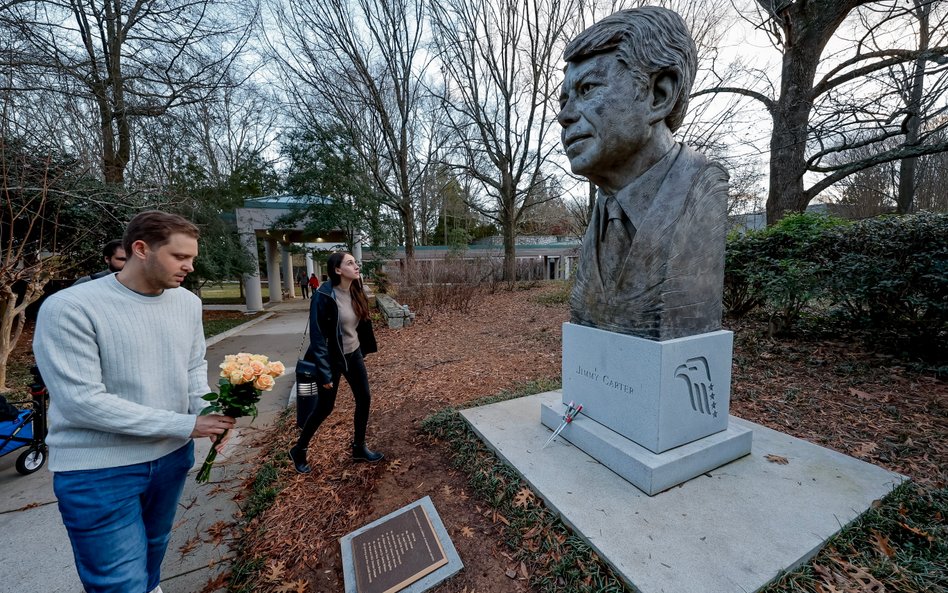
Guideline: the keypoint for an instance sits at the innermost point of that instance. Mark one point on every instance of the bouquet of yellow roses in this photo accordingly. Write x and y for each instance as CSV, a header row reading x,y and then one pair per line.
x,y
243,379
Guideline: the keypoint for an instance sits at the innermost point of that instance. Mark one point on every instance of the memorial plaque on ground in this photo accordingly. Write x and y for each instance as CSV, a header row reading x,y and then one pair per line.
x,y
398,550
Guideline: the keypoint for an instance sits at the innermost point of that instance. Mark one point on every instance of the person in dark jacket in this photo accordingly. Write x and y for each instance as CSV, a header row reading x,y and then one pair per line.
x,y
114,254
340,335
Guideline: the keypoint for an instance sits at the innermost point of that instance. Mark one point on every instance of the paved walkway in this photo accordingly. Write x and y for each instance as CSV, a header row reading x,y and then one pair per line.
x,y
35,554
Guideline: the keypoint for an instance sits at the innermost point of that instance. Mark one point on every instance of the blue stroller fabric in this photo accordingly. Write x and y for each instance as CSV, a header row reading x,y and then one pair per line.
x,y
10,427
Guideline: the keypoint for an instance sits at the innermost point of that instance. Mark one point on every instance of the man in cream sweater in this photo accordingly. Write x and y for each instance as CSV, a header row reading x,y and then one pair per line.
x,y
123,358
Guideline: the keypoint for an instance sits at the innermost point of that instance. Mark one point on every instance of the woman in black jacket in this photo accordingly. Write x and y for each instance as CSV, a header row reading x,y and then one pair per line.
x,y
341,333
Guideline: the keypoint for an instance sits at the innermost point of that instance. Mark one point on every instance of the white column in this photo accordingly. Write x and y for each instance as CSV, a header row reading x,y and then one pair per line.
x,y
273,270
289,284
357,247
309,259
252,293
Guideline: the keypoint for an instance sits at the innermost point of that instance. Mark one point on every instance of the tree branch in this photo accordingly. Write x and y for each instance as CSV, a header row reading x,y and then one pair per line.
x,y
769,103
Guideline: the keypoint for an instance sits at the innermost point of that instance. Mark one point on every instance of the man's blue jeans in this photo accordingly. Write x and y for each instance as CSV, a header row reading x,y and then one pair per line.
x,y
119,520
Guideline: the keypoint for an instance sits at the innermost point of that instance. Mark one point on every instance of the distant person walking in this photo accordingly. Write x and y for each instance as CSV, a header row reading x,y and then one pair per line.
x,y
313,283
303,281
123,358
114,255
340,335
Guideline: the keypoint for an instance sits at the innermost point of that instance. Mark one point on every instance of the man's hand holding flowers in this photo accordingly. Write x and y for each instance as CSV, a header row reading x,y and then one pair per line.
x,y
243,377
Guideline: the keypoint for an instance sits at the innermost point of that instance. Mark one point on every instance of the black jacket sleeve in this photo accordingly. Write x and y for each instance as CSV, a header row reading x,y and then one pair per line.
x,y
318,351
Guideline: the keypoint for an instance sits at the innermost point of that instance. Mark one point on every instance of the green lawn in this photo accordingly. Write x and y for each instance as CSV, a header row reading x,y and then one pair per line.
x,y
212,327
227,293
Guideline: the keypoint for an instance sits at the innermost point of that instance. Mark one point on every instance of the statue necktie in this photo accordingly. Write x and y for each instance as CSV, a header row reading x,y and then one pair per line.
x,y
615,242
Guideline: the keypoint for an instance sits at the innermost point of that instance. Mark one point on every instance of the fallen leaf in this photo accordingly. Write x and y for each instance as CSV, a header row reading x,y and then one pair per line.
x,y
918,532
217,583
297,586
190,545
881,543
523,570
467,531
865,449
866,583
860,394
394,465
776,459
217,531
275,571
523,498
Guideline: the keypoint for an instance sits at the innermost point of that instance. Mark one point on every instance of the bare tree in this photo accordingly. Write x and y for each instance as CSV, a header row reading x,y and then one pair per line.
x,y
362,63
36,235
499,59
219,137
932,179
921,103
811,132
132,58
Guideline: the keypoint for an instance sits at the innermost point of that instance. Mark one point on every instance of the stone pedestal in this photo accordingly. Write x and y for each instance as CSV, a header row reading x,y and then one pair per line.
x,y
656,413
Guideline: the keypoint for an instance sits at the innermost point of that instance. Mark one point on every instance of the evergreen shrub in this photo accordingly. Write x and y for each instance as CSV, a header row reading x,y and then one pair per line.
x,y
779,269
887,275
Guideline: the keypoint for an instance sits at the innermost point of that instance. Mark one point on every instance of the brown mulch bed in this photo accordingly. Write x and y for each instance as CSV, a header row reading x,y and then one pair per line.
x,y
836,394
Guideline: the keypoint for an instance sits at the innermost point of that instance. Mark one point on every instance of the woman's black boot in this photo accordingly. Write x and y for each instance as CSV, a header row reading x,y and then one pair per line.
x,y
362,453
298,458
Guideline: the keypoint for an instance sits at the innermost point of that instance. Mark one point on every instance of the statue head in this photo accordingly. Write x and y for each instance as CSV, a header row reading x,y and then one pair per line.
x,y
646,40
625,91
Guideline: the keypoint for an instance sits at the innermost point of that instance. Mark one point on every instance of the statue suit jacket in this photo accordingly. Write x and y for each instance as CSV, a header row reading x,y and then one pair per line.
x,y
672,277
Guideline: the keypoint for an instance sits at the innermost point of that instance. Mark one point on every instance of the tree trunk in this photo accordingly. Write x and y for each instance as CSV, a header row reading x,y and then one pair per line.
x,y
9,331
913,122
791,119
112,171
510,249
408,223
508,222
806,28
12,320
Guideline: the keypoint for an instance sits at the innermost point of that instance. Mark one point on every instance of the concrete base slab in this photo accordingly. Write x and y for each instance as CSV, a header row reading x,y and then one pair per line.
x,y
733,529
649,472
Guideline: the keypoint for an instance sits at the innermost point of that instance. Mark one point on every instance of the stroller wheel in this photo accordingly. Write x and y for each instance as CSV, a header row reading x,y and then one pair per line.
x,y
30,460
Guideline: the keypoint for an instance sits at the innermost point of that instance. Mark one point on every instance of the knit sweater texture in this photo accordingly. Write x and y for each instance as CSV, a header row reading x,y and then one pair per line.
x,y
348,321
125,373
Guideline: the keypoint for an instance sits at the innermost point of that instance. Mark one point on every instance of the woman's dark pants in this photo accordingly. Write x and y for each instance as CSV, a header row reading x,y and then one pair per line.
x,y
358,380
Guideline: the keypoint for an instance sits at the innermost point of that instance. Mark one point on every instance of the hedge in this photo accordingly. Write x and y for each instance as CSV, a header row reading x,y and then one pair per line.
x,y
887,275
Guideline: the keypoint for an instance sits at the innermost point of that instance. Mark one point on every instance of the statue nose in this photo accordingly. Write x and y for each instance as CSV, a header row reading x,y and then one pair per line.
x,y
567,114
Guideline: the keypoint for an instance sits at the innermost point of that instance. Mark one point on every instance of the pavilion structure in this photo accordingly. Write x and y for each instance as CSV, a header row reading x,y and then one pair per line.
x,y
266,219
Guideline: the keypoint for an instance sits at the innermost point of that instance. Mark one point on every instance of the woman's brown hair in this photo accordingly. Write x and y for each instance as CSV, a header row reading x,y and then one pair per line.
x,y
360,304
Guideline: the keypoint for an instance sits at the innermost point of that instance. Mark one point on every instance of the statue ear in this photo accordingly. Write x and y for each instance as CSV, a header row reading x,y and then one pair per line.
x,y
666,86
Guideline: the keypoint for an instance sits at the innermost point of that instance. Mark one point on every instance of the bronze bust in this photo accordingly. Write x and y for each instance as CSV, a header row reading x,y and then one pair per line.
x,y
652,260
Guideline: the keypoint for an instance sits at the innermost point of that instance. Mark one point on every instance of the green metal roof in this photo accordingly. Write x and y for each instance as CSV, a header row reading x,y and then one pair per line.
x,y
285,202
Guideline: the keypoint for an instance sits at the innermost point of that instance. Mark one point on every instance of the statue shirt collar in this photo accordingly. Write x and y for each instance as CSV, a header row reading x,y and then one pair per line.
x,y
637,197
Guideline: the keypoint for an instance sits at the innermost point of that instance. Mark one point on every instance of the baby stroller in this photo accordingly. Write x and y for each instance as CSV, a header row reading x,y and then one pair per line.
x,y
28,429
